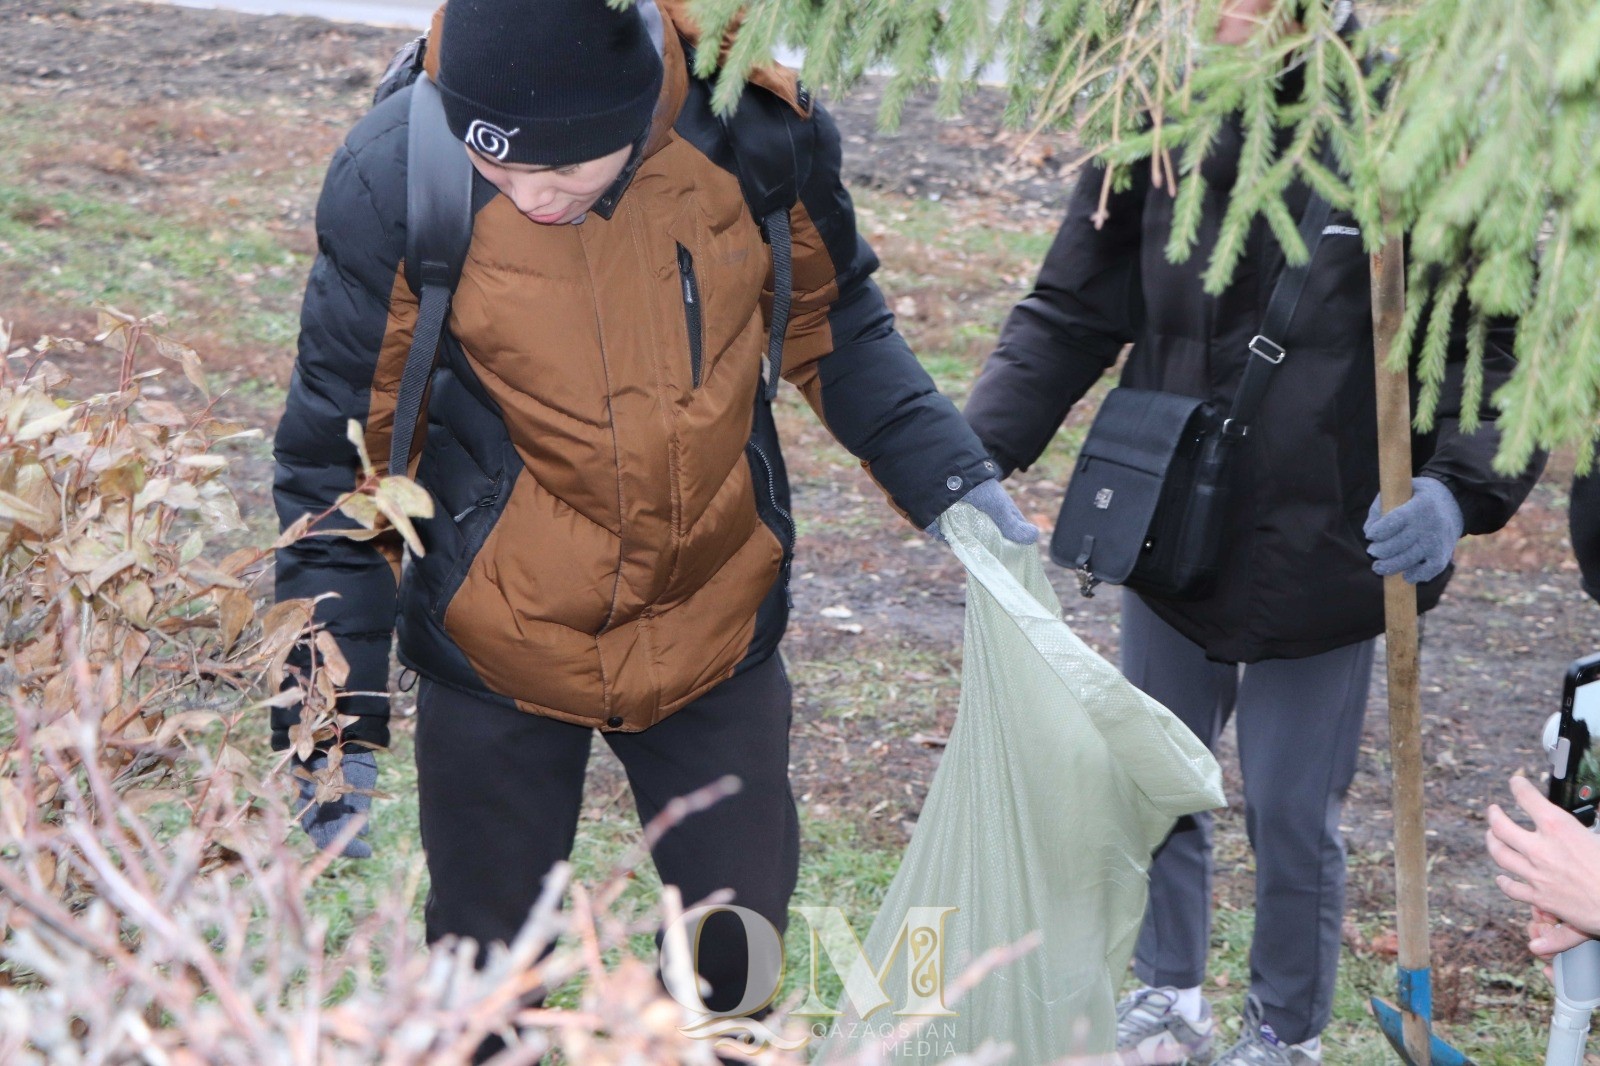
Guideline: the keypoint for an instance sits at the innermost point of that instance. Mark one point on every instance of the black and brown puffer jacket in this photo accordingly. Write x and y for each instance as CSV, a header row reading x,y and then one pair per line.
x,y
612,534
1296,579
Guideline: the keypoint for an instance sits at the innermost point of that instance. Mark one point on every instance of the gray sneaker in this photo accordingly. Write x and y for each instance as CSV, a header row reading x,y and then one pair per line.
x,y
1259,1046
1151,1030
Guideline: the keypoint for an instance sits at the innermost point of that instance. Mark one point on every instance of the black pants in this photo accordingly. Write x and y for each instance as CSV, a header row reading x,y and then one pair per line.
x,y
499,794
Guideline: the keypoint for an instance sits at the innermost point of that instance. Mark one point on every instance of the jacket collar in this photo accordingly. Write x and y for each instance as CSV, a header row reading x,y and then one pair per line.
x,y
674,90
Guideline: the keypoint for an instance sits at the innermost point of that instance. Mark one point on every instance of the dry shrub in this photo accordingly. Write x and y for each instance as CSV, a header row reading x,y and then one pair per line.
x,y
153,900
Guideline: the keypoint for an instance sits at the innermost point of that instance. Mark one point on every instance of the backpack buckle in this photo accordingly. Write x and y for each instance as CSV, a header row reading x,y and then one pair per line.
x,y
1267,348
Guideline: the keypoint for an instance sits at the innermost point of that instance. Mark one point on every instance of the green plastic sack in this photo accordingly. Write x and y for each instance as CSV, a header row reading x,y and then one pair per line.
x,y
1058,781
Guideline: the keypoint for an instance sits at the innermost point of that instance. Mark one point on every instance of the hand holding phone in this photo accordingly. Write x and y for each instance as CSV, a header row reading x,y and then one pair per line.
x,y
1555,866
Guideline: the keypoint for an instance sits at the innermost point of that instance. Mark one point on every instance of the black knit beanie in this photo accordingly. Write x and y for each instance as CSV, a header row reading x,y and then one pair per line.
x,y
547,82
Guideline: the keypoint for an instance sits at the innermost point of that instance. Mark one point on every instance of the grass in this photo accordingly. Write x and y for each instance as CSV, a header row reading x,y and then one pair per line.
x,y
1353,1037
902,685
836,871
93,250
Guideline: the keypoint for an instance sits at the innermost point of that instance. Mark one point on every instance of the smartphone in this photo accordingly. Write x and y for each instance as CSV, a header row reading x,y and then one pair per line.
x,y
1575,762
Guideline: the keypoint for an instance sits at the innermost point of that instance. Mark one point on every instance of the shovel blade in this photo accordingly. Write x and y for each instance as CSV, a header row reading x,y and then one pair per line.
x,y
1440,1053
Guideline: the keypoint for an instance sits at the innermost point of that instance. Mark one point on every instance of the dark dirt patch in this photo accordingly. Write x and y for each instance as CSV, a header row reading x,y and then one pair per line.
x,y
193,98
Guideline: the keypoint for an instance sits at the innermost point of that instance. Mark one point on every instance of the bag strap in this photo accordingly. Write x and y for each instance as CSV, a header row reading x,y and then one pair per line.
x,y
438,233
776,227
769,162
1266,350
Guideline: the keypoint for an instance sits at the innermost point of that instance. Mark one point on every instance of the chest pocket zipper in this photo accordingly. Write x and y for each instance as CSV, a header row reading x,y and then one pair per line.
x,y
487,501
691,312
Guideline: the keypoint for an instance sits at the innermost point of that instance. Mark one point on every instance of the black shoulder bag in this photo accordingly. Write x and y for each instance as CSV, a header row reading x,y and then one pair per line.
x,y
1149,494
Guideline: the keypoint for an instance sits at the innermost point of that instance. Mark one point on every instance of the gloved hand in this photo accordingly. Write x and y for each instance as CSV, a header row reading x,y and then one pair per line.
x,y
992,499
324,821
1418,537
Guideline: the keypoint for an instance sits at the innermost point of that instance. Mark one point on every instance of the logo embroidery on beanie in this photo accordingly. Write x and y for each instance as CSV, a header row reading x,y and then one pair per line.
x,y
490,139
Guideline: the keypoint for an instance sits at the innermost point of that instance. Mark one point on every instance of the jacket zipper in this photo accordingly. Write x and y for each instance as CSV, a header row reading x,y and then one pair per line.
x,y
691,310
772,493
487,501
788,520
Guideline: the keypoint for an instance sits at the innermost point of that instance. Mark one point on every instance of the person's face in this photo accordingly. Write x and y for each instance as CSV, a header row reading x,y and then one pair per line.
x,y
553,196
1240,19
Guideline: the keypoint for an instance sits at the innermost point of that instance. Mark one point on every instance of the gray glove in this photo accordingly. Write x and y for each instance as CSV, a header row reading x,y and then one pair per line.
x,y
324,821
990,498
1418,537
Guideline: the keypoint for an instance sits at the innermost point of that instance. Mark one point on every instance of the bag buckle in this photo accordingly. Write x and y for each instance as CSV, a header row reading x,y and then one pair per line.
x,y
1232,430
1267,348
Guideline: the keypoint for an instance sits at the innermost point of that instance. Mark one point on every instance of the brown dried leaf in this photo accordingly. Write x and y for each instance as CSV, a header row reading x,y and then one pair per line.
x,y
414,500
237,611
283,623
351,534
235,562
11,809
43,425
219,508
123,480
110,569
137,601
334,665
361,509
293,532
234,761
204,577
15,509
154,491
135,646
303,738
189,359
285,698
162,413
401,523
192,546
49,376
354,434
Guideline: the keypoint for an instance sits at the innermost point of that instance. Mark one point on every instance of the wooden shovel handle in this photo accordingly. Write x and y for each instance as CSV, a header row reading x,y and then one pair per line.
x,y
1400,618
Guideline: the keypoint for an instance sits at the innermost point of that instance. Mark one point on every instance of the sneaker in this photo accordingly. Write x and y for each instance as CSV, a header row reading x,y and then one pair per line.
x,y
1150,1029
1259,1045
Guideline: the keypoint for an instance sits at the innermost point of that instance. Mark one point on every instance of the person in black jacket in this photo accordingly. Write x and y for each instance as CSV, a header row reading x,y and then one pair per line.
x,y
1285,642
610,542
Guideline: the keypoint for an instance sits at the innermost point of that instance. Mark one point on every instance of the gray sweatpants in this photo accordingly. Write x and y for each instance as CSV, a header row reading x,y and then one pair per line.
x,y
1299,729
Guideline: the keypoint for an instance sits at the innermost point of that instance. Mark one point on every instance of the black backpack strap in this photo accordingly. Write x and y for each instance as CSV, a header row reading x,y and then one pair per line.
x,y
1266,349
438,232
763,134
776,228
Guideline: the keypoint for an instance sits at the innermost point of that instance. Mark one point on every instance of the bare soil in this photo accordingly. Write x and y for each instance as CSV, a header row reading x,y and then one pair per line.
x,y
169,104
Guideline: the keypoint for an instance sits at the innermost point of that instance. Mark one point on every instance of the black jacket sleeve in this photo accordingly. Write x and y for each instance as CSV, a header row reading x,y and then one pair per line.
x,y
859,374
1463,461
1057,342
344,321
